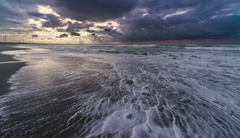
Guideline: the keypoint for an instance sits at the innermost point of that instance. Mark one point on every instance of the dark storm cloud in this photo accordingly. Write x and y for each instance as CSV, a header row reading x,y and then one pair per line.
x,y
74,34
60,30
90,31
34,36
107,29
93,10
101,27
53,21
182,19
75,27
27,2
140,20
63,36
222,27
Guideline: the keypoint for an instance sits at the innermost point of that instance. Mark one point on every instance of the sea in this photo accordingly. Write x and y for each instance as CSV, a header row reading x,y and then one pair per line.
x,y
123,91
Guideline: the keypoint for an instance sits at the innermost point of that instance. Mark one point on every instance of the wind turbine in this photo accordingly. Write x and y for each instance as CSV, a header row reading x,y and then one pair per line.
x,y
5,38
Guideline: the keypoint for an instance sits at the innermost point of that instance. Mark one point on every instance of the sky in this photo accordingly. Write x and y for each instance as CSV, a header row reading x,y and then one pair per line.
x,y
120,21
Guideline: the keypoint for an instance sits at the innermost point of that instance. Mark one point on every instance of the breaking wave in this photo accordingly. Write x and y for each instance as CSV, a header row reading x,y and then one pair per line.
x,y
124,91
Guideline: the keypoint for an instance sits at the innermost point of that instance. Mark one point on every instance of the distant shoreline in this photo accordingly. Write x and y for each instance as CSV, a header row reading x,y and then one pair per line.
x,y
7,66
15,43
9,43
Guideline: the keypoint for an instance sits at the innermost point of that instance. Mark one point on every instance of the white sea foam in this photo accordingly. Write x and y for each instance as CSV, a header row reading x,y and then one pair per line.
x,y
125,91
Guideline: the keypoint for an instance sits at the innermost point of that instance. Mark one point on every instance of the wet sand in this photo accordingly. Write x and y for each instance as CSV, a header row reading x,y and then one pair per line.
x,y
8,67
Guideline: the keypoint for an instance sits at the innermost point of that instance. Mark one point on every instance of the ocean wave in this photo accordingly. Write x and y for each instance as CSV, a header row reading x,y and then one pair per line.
x,y
79,91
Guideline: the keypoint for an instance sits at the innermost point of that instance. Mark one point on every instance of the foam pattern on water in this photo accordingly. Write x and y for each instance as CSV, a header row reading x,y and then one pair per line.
x,y
124,91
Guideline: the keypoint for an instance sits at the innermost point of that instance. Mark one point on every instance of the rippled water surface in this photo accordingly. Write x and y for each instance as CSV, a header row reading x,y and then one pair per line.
x,y
137,91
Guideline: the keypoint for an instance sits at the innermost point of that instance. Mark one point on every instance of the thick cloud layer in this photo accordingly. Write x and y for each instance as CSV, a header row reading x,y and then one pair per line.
x,y
63,36
93,10
182,19
52,20
75,27
74,34
139,20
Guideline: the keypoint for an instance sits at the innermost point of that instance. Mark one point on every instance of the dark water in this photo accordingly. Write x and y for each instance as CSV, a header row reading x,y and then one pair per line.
x,y
124,91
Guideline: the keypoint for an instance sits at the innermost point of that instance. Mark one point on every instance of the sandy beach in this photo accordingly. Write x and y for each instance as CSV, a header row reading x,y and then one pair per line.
x,y
7,69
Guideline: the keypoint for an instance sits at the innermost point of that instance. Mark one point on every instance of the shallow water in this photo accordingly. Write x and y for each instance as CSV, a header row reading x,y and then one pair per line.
x,y
124,91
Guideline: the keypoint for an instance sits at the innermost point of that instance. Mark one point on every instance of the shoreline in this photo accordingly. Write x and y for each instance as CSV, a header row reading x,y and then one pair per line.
x,y
8,67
